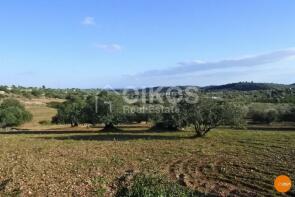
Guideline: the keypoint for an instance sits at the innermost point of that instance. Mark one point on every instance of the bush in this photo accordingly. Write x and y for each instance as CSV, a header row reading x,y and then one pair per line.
x,y
146,185
234,115
13,113
37,93
168,121
288,115
268,116
271,116
27,95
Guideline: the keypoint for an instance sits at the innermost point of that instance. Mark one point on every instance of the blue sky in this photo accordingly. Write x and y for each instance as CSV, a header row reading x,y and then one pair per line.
x,y
91,43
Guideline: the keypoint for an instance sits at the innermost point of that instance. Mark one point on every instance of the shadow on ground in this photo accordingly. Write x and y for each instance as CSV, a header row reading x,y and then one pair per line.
x,y
116,137
269,128
46,132
83,131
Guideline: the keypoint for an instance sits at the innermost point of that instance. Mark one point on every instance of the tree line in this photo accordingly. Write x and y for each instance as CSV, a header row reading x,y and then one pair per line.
x,y
108,109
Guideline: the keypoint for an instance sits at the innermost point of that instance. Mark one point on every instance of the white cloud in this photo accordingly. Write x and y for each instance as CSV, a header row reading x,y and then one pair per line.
x,y
89,21
109,47
188,67
276,66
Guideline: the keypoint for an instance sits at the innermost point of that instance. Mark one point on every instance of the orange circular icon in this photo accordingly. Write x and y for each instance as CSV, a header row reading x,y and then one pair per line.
x,y
283,183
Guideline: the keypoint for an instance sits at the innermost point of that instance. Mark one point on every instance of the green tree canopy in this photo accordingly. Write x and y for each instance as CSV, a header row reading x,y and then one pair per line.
x,y
208,114
70,112
106,108
13,113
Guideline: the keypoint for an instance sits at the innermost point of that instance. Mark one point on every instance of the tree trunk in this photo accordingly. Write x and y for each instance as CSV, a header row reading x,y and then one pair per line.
x,y
74,124
201,132
198,134
109,126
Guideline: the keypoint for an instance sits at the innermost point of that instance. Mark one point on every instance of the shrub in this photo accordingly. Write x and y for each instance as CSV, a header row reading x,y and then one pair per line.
x,y
271,116
13,113
146,185
234,115
267,116
168,121
288,115
36,93
27,95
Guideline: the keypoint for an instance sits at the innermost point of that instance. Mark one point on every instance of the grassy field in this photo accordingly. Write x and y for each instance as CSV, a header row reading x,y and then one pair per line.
x,y
83,162
40,112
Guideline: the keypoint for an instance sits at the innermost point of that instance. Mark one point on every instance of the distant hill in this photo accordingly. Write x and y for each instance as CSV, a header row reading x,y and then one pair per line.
x,y
246,86
240,86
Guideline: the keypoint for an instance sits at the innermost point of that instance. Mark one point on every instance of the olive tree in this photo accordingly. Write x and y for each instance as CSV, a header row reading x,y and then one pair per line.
x,y
70,112
207,114
106,108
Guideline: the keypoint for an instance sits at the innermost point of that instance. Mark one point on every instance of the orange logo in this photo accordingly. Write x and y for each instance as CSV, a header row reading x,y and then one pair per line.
x,y
283,183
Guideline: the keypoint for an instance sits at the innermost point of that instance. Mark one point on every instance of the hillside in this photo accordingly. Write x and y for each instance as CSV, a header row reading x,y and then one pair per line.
x,y
240,86
246,86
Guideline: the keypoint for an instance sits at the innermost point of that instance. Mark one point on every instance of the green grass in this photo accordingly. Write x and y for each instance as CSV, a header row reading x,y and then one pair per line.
x,y
86,164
